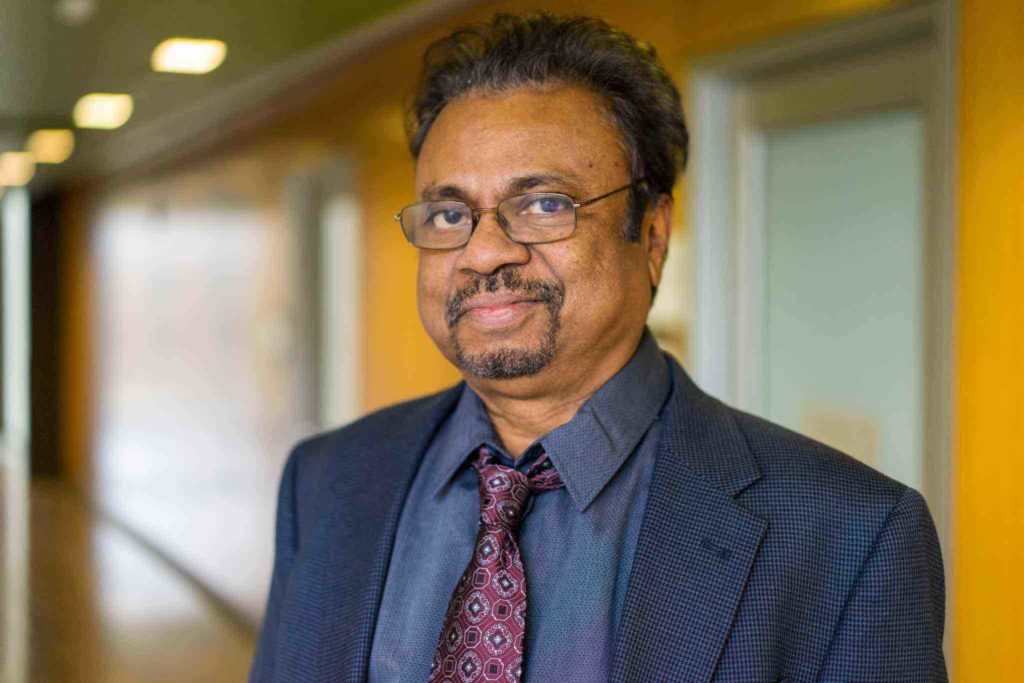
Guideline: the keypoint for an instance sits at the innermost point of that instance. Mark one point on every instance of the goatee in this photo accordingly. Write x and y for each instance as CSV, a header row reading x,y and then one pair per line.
x,y
507,362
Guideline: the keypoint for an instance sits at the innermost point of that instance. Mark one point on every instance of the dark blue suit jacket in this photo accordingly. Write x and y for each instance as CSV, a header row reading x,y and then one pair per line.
x,y
763,555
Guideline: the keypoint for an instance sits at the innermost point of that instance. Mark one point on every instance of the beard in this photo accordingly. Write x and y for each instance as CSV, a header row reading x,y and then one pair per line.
x,y
507,362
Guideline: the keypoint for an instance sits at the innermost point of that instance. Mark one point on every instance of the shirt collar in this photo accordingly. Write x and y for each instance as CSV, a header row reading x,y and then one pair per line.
x,y
589,449
466,428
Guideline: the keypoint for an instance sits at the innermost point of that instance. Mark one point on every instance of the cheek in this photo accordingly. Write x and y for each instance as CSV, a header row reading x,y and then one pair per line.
x,y
431,290
601,278
591,276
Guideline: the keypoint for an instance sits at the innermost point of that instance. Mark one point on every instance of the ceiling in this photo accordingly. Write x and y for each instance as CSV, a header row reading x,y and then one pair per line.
x,y
47,63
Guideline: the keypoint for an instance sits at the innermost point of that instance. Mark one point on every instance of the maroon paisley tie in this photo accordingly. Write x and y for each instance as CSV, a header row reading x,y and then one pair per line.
x,y
484,627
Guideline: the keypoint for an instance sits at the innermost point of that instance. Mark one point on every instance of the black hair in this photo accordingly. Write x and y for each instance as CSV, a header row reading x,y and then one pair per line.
x,y
514,51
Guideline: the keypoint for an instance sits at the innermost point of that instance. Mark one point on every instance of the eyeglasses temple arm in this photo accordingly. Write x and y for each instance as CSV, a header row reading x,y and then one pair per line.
x,y
606,194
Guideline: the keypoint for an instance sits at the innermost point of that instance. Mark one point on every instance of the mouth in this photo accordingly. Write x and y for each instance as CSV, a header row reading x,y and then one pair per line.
x,y
497,309
501,298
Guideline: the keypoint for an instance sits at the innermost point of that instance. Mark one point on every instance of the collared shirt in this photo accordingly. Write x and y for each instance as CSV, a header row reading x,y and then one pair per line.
x,y
577,542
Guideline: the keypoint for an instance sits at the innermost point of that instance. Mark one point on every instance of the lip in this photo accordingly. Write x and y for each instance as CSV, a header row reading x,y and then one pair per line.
x,y
497,309
496,301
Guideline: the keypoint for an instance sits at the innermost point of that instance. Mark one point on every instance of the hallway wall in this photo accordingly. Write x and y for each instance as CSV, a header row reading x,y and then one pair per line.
x,y
989,472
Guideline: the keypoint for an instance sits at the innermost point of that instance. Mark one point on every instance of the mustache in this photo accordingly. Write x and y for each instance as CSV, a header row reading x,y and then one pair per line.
x,y
547,292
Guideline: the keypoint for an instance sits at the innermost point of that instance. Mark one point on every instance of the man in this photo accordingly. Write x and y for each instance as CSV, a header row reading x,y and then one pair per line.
x,y
576,509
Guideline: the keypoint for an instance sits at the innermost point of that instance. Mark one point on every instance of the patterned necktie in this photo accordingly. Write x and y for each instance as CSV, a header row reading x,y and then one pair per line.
x,y
484,627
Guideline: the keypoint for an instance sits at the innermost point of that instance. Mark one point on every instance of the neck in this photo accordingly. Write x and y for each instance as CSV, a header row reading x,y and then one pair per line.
x,y
524,409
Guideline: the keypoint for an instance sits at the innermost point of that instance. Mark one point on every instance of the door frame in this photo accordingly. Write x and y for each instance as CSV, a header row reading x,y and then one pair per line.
x,y
724,202
340,293
15,429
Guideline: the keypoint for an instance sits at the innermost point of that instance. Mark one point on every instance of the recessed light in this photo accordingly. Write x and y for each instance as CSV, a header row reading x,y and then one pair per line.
x,y
103,110
51,145
74,12
16,168
188,55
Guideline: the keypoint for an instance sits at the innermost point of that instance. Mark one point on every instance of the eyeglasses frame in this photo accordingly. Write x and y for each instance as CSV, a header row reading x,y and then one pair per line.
x,y
477,212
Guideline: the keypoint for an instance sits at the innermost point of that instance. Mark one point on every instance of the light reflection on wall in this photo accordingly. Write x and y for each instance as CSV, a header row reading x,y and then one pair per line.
x,y
201,368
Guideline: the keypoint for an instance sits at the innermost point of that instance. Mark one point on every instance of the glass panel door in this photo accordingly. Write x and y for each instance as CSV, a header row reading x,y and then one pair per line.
x,y
842,353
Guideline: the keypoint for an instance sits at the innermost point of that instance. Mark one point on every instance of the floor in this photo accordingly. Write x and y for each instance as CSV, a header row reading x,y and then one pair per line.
x,y
102,608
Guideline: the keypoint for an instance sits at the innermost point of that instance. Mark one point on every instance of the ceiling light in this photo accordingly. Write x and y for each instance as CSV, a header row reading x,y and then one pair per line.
x,y
51,146
16,168
74,12
188,55
103,110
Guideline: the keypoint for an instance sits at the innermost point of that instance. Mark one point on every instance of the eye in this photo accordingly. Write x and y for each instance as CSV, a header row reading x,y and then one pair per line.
x,y
446,217
547,205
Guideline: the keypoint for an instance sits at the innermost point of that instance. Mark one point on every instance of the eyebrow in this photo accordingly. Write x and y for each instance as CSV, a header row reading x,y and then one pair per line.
x,y
517,185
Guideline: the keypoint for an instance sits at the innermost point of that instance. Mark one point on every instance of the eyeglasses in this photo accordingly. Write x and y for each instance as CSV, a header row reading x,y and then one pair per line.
x,y
532,218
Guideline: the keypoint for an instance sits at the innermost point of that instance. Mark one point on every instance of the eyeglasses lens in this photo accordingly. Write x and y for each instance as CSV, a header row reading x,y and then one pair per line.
x,y
438,225
538,217
529,219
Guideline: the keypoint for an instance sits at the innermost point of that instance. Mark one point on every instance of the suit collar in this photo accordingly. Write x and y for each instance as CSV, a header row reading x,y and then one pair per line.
x,y
372,466
702,431
696,547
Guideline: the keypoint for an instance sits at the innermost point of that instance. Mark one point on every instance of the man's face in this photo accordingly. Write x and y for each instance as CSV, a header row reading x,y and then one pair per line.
x,y
502,310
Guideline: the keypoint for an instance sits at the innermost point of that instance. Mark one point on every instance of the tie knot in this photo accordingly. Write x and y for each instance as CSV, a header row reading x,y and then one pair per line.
x,y
504,491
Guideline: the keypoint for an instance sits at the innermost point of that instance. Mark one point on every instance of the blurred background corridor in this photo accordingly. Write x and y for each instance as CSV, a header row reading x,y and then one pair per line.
x,y
199,267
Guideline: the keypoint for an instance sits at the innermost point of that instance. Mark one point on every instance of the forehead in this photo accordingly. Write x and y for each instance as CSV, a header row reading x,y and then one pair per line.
x,y
482,139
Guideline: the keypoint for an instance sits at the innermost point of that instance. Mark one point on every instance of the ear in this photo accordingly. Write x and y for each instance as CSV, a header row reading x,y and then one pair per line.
x,y
657,229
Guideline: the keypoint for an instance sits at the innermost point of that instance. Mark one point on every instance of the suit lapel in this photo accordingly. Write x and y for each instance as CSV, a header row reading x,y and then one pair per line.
x,y
349,555
696,546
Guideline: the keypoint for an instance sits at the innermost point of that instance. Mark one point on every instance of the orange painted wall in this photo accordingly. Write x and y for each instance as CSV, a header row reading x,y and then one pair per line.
x,y
989,519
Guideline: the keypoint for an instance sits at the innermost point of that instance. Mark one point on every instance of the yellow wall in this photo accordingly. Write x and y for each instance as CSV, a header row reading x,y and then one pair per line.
x,y
989,517
358,113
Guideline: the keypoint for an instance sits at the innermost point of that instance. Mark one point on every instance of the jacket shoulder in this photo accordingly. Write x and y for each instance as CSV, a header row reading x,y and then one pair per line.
x,y
313,451
828,512
317,460
810,478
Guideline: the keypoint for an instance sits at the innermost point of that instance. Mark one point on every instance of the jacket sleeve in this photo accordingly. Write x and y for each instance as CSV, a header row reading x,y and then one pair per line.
x,y
285,548
891,626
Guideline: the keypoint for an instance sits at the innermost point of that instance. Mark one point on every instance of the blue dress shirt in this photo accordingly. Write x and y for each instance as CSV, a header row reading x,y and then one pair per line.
x,y
577,542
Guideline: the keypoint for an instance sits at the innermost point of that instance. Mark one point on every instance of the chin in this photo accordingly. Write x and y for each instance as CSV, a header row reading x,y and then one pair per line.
x,y
502,359
504,363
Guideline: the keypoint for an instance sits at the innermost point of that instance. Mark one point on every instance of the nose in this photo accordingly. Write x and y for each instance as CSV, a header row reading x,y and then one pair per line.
x,y
489,248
